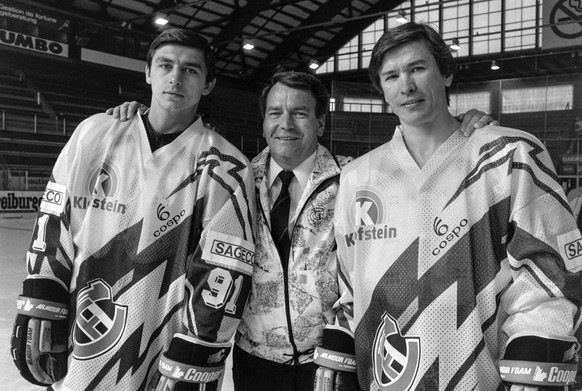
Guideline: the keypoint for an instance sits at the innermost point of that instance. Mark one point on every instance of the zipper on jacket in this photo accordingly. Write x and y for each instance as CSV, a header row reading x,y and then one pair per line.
x,y
295,359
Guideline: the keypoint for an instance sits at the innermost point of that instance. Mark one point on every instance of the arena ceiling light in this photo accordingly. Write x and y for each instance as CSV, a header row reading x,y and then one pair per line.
x,y
248,45
494,65
313,65
402,17
455,46
161,19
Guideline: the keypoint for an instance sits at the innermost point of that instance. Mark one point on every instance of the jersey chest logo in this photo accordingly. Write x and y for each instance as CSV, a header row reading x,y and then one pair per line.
x,y
395,359
99,323
369,207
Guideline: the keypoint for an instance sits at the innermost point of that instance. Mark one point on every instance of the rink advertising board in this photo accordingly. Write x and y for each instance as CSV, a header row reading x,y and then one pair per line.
x,y
31,28
20,201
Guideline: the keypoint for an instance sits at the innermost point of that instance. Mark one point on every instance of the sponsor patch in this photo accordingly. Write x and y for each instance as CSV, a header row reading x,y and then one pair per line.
x,y
53,199
368,206
229,252
570,245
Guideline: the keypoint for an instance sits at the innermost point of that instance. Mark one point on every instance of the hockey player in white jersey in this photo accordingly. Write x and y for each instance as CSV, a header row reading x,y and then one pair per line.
x,y
141,258
458,257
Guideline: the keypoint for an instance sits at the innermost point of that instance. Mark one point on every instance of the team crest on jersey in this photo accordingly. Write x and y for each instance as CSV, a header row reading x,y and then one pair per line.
x,y
395,359
100,321
369,206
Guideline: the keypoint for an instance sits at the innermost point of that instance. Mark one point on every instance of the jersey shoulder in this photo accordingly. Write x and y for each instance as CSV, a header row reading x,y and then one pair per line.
x,y
223,146
493,132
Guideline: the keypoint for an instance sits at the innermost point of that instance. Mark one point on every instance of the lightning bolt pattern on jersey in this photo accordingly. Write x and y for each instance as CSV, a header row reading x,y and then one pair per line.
x,y
444,263
148,244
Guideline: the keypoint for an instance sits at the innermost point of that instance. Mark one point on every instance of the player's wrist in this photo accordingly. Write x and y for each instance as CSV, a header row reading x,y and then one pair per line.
x,y
39,339
43,309
189,373
335,360
539,360
540,374
190,364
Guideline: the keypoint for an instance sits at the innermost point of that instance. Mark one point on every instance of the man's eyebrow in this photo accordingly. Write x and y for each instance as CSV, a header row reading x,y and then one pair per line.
x,y
411,64
298,107
421,61
163,59
187,64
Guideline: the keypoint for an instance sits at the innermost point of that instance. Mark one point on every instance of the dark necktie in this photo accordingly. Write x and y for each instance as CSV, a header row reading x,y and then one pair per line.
x,y
280,218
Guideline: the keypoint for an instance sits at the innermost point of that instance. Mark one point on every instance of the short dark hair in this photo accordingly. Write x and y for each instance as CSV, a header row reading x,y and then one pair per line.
x,y
406,33
300,81
187,38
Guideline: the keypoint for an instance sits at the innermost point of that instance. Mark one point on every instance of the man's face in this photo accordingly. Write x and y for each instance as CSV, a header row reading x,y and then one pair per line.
x,y
290,126
178,79
413,85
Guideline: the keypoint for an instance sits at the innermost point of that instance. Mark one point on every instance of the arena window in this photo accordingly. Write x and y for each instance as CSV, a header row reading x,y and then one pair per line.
x,y
550,98
363,105
462,102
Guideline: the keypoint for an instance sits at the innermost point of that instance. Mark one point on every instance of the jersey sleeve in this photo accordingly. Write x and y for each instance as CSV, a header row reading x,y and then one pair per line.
x,y
542,250
218,276
345,265
51,251
575,201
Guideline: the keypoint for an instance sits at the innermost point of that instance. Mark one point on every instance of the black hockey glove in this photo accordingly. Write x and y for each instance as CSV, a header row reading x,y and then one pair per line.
x,y
335,361
40,333
191,364
539,362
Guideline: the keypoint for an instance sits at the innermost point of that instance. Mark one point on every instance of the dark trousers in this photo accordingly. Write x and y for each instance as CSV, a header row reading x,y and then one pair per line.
x,y
251,373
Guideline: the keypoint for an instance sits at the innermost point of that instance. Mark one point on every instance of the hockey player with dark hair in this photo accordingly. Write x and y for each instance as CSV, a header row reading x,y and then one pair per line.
x,y
458,257
294,283
141,258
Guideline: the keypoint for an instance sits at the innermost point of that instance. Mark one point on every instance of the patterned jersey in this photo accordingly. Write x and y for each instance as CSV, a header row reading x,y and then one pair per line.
x,y
575,201
148,245
443,263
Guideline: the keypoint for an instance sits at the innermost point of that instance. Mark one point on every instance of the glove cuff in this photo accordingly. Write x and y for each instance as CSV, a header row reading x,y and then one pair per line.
x,y
335,360
538,373
43,309
187,373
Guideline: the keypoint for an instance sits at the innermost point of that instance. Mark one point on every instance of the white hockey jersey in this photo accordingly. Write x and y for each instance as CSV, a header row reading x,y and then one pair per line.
x,y
148,244
443,263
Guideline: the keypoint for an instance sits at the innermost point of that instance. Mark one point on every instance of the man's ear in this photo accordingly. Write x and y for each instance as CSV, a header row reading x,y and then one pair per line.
x,y
320,125
208,87
147,75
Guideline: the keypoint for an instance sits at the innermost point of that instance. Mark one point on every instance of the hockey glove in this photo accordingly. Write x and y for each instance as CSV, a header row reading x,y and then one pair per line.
x,y
191,364
40,333
539,362
335,361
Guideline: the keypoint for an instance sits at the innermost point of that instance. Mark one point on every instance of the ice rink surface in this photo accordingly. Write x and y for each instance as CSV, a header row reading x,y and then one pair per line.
x,y
15,233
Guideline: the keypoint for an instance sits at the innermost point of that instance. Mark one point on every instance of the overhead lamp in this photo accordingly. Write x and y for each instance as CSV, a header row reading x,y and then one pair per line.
x,y
248,46
313,65
161,19
494,65
401,17
455,46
